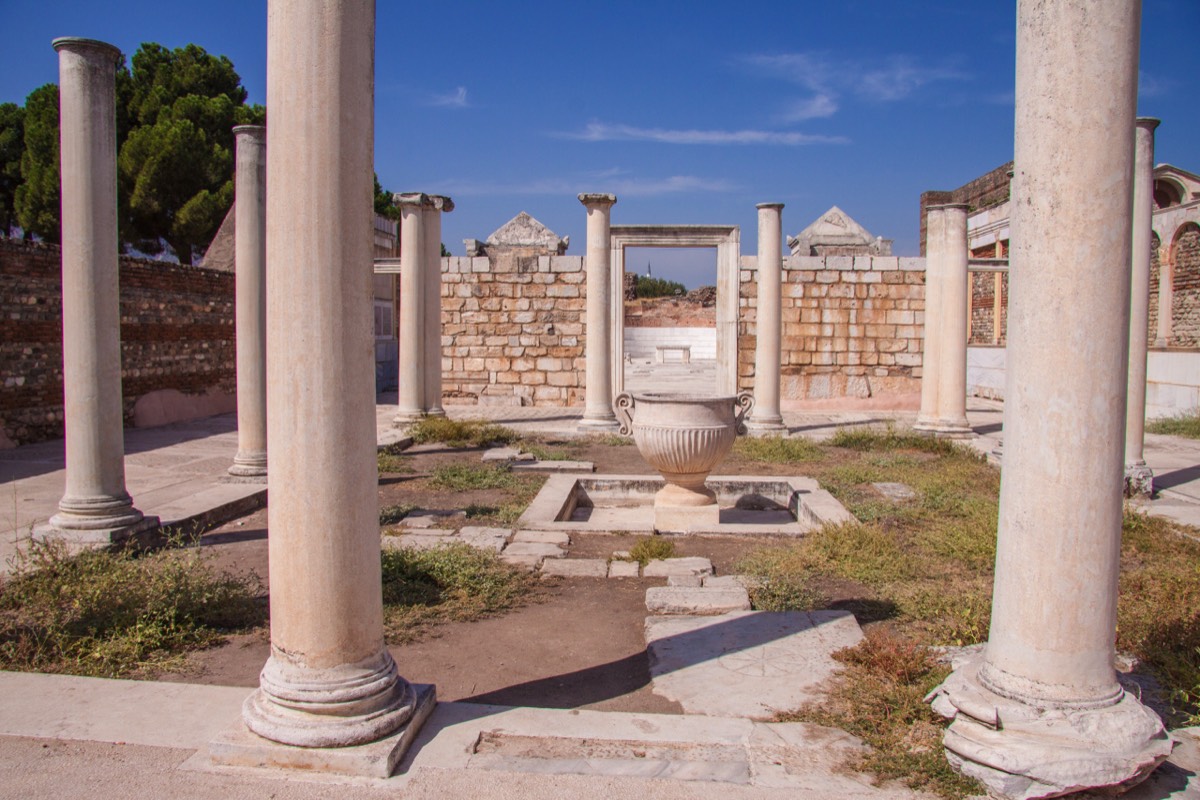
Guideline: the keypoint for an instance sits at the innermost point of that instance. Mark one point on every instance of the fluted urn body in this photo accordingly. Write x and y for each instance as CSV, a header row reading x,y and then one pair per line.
x,y
684,437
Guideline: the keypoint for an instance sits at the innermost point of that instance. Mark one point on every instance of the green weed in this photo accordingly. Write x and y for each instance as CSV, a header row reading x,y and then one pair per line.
x,y
651,548
461,433
777,449
1186,424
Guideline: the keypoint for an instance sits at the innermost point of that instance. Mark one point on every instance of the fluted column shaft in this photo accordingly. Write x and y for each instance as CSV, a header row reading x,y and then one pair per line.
x,y
95,500
329,681
250,266
598,411
768,354
413,269
1139,480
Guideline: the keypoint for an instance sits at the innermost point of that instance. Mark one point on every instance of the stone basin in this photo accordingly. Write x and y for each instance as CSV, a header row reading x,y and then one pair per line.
x,y
759,506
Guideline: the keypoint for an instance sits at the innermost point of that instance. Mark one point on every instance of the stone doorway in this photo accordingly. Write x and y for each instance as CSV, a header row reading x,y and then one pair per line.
x,y
726,240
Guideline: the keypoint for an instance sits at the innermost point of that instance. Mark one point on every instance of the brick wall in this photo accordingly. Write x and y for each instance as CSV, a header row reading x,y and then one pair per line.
x,y
513,329
667,312
852,327
986,190
1185,297
177,335
983,308
1155,267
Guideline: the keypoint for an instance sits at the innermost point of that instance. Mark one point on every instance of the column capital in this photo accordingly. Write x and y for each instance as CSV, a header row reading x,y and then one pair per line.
x,y
442,203
79,44
250,131
1148,123
949,207
769,206
597,199
411,199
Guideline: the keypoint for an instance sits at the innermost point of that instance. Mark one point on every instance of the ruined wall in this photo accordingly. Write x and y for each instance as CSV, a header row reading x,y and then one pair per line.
x,y
667,312
512,329
986,190
1185,297
984,325
177,341
852,327
1155,269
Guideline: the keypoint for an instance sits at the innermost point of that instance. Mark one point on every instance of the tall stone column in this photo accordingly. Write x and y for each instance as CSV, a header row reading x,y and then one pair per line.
x,y
768,353
598,411
1041,712
411,380
250,266
1139,479
433,303
931,346
955,299
95,508
330,681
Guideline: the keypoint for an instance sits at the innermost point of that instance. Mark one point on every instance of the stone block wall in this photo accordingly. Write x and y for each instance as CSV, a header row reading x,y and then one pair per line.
x,y
1185,295
984,325
852,327
177,342
513,329
667,312
1155,270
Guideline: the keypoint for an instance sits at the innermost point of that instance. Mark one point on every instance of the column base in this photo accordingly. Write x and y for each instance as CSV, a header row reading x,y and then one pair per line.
x,y
1021,751
765,425
1139,480
598,425
944,429
405,418
239,747
96,532
249,465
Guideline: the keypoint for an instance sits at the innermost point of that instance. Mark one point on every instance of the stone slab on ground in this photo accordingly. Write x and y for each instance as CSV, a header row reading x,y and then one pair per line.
x,y
726,581
695,581
418,542
698,600
485,538
746,663
546,537
554,466
896,492
666,567
535,550
508,454
530,563
623,569
431,519
575,567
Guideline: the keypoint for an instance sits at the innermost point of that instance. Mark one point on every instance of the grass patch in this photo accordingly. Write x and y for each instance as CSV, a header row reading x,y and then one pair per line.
x,y
777,450
889,438
1185,424
782,580
546,452
461,433
391,459
118,614
467,477
390,515
879,697
651,548
448,583
608,439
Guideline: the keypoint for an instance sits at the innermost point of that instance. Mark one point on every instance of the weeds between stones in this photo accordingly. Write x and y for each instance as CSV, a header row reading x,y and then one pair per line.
x,y
461,433
449,583
1185,424
122,613
650,548
777,450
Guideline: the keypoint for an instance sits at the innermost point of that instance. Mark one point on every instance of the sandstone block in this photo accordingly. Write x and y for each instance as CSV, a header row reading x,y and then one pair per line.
x,y
696,601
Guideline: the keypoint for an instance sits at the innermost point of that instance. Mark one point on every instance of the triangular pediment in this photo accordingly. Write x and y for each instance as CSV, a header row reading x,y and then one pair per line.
x,y
523,231
835,227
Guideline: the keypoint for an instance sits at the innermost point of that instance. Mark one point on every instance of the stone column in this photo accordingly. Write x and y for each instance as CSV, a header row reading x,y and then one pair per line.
x,y
250,264
947,304
1139,479
329,681
433,303
1041,712
598,411
95,508
768,349
411,378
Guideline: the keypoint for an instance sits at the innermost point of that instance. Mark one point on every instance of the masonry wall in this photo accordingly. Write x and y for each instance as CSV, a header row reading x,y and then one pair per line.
x,y
852,328
513,329
987,190
1185,297
177,342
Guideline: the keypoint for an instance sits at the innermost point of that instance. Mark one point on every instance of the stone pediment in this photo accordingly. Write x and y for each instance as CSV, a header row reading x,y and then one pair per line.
x,y
525,231
837,229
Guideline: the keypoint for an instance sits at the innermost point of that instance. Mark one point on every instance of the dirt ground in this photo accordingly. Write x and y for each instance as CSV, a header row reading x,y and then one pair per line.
x,y
578,645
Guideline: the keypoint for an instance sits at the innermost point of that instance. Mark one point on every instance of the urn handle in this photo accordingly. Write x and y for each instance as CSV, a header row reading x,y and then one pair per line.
x,y
744,402
623,407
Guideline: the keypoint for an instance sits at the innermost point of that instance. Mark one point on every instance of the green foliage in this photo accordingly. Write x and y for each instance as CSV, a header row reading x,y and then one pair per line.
x,y
879,697
882,439
12,145
391,459
781,579
1185,424
777,449
118,614
384,205
37,199
448,583
651,548
467,477
390,515
658,287
461,433
176,165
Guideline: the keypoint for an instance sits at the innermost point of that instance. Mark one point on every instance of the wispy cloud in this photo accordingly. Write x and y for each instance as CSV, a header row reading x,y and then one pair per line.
x,y
455,99
605,132
827,79
1151,86
628,186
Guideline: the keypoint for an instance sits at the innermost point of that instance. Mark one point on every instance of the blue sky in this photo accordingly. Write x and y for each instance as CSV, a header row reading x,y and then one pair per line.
x,y
691,113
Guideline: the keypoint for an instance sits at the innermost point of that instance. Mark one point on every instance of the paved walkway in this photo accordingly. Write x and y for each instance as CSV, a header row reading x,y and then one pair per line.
x,y
63,736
